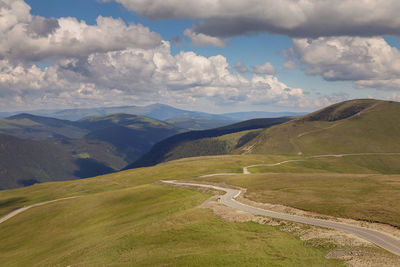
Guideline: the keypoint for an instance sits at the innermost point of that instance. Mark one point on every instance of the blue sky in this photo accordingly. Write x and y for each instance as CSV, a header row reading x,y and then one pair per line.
x,y
309,85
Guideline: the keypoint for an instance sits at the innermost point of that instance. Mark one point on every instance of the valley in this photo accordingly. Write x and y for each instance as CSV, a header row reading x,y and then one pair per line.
x,y
353,180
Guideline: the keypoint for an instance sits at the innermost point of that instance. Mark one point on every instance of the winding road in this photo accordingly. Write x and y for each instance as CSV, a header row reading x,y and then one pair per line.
x,y
382,240
18,211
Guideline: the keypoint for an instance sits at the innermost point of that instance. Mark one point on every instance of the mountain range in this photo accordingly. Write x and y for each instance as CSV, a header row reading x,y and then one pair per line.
x,y
191,120
37,149
356,126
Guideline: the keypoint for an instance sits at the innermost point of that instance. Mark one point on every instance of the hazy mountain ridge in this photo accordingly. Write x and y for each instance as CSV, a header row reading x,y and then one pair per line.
x,y
193,120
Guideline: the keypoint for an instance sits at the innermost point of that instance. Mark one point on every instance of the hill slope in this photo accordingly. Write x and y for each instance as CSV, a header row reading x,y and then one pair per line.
x,y
131,135
26,162
357,126
208,142
55,149
28,126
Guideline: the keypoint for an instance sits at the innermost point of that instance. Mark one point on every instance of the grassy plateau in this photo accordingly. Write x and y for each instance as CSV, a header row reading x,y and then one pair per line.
x,y
123,219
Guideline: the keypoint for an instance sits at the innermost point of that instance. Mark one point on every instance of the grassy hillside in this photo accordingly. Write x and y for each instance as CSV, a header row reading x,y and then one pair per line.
x,y
357,164
123,219
357,126
200,123
357,196
161,227
131,135
90,147
32,127
26,162
208,142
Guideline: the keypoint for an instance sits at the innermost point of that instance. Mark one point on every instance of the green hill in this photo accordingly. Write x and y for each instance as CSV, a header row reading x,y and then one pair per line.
x,y
125,219
357,126
26,162
89,147
33,127
216,141
131,135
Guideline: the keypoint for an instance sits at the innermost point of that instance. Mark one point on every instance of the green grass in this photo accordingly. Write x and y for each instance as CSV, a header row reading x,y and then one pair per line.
x,y
384,164
189,168
84,155
375,130
370,197
146,225
123,218
220,145
180,169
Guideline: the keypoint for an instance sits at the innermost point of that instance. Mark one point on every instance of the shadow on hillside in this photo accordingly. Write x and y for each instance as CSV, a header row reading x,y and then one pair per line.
x,y
12,201
28,182
90,167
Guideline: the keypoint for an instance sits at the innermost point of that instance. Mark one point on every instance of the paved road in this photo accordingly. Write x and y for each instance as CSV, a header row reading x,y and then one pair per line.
x,y
18,211
382,240
246,171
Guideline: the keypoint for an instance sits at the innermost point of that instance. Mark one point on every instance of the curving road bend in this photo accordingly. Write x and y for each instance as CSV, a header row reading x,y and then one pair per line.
x,y
380,239
18,211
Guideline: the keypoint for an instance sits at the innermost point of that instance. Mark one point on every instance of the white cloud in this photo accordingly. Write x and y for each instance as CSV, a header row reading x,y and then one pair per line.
x,y
290,64
241,67
27,37
369,62
267,68
112,63
200,39
268,88
300,18
139,75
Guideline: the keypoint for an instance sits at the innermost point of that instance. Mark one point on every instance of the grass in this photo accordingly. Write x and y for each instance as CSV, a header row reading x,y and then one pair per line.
x,y
146,225
368,197
123,218
180,169
220,145
84,155
376,130
188,168
384,164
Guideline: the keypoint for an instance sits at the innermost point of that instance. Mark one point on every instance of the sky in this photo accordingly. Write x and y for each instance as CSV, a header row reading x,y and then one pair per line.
x,y
211,55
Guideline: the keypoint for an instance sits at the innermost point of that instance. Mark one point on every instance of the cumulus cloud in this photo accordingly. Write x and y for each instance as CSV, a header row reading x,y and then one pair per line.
x,y
27,37
369,62
200,39
241,67
113,63
266,88
290,64
305,18
267,68
140,74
